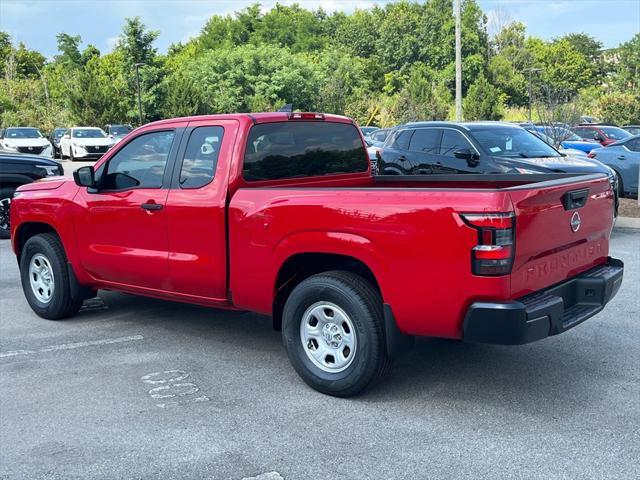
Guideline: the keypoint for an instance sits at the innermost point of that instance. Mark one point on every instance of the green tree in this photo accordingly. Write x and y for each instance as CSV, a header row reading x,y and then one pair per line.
x,y
583,43
564,69
483,101
626,74
29,63
5,51
69,48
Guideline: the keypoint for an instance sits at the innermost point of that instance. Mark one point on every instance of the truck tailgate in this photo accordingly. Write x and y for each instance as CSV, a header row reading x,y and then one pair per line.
x,y
562,229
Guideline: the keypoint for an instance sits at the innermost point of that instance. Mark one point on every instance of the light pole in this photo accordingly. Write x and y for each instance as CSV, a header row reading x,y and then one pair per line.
x,y
458,62
531,71
138,65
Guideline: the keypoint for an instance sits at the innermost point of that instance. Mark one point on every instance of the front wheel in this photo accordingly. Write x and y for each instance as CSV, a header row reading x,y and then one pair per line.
x,y
332,328
45,278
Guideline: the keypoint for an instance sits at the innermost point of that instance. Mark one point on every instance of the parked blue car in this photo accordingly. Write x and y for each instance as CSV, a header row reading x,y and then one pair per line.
x,y
624,157
571,140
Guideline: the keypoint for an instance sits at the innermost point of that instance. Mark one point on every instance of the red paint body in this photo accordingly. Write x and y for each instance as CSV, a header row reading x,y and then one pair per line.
x,y
234,236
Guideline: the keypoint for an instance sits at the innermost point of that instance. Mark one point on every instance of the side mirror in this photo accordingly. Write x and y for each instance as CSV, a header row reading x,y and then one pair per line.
x,y
468,155
67,135
85,177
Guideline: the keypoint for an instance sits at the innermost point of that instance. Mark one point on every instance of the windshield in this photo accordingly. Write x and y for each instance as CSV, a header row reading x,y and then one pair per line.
x,y
88,133
615,133
59,132
22,133
514,142
119,130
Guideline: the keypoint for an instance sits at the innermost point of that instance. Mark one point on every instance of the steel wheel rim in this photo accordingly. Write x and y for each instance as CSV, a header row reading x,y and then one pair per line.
x,y
41,278
328,337
5,204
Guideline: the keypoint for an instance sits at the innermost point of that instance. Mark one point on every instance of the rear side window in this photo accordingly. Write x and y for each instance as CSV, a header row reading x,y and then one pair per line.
x,y
633,145
201,157
426,140
303,149
403,138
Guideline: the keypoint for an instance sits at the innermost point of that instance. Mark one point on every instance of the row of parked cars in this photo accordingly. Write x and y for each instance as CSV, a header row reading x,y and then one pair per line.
x,y
27,155
86,143
424,148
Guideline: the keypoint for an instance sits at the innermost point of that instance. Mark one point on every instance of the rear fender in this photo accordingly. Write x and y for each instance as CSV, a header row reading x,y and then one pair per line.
x,y
334,243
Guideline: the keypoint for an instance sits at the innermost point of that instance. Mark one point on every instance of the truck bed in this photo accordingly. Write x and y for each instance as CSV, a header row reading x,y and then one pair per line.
x,y
409,232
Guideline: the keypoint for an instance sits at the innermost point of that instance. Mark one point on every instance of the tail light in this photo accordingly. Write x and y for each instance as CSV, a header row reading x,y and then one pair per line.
x,y
306,116
591,155
493,255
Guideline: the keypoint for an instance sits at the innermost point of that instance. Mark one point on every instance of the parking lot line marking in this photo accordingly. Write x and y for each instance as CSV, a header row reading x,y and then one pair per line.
x,y
71,346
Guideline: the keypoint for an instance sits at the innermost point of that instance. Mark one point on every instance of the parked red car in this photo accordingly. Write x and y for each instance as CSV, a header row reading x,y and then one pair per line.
x,y
605,134
279,214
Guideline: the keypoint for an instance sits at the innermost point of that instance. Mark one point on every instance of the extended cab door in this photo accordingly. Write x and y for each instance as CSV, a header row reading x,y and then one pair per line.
x,y
121,226
196,210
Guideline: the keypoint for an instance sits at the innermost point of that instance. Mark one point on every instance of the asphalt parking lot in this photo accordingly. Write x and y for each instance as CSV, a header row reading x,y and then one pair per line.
x,y
139,388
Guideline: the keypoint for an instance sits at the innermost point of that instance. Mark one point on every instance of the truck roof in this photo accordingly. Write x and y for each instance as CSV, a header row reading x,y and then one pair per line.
x,y
262,117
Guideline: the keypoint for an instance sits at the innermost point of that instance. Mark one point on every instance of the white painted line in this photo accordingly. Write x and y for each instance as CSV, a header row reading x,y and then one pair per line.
x,y
266,476
71,346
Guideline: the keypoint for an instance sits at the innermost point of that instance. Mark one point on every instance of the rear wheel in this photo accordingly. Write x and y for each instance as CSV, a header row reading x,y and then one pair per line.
x,y
45,278
333,333
6,194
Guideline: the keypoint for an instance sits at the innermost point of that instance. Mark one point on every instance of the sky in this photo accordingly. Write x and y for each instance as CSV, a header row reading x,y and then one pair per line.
x,y
99,22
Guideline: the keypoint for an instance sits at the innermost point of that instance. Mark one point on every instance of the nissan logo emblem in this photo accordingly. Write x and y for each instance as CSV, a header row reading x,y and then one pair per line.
x,y
575,221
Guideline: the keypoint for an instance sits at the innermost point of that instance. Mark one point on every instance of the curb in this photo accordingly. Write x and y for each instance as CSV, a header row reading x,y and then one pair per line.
x,y
627,222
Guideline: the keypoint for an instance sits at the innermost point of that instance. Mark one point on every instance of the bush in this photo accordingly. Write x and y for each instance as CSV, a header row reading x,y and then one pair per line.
x,y
619,108
483,101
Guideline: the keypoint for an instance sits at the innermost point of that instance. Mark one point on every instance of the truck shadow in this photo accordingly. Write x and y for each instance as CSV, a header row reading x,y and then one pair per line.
x,y
552,378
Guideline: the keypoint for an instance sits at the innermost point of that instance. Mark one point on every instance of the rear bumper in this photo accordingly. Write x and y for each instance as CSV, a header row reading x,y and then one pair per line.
x,y
547,312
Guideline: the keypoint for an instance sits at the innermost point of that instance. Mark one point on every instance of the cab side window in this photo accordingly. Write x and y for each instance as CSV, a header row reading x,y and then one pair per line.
x,y
201,157
141,163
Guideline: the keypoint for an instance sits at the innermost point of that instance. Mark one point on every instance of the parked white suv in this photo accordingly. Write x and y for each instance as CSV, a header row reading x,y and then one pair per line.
x,y
25,140
86,143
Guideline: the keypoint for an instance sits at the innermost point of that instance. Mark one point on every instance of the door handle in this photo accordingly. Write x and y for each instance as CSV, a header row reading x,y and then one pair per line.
x,y
621,157
151,207
402,158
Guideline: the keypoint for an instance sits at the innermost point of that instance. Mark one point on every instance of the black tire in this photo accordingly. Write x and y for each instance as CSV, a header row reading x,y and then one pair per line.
x,y
363,304
620,186
61,304
6,194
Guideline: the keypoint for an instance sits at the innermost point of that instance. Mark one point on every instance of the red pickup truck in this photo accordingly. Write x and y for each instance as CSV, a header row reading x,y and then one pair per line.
x,y
278,213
